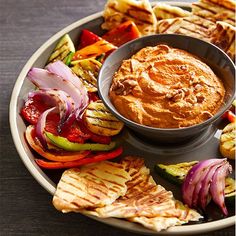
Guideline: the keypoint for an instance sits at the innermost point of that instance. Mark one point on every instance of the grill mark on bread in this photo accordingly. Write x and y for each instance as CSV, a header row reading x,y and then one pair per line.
x,y
171,24
136,8
198,24
223,9
131,16
77,187
65,200
190,30
199,4
104,179
77,197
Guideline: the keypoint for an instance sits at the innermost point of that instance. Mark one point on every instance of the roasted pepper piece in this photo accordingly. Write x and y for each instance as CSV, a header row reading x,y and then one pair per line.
x,y
65,144
124,33
88,160
52,155
94,50
230,114
87,38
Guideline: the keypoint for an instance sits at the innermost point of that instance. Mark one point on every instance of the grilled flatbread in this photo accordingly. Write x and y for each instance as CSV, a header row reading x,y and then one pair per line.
x,y
144,198
215,10
165,11
140,12
192,26
159,223
93,185
223,36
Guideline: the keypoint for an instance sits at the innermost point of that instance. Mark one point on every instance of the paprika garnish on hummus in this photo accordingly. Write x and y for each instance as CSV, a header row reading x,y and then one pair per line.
x,y
166,87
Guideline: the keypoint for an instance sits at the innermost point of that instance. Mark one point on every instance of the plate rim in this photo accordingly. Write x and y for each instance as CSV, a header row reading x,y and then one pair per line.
x,y
48,184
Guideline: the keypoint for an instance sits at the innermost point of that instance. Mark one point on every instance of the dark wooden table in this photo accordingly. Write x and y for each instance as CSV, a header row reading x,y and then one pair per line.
x,y
25,207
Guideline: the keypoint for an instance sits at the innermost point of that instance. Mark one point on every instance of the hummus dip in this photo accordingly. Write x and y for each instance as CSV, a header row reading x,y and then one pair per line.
x,y
166,87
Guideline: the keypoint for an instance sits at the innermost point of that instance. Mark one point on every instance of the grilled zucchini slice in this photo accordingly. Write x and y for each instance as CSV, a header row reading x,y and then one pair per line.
x,y
63,50
100,121
87,70
227,141
176,174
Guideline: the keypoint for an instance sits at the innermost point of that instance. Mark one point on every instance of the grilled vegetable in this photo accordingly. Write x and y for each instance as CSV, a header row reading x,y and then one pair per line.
x,y
69,58
63,49
87,38
91,159
230,116
230,190
65,144
100,121
87,70
52,155
227,141
94,50
123,33
176,174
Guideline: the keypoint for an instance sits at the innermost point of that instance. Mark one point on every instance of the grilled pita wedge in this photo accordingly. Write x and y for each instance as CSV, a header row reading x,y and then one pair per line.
x,y
215,10
165,11
159,223
223,36
144,198
100,121
192,26
93,185
140,12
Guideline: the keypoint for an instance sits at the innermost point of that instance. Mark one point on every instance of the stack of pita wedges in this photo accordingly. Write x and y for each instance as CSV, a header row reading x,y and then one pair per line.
x,y
209,20
122,190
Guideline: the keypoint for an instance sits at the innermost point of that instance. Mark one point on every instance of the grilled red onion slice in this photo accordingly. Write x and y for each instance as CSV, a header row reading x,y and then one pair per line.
x,y
198,188
204,192
56,98
218,185
193,178
41,125
60,69
44,79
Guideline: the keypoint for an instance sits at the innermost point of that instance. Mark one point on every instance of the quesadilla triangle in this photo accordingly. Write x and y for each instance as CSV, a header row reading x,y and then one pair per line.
x,y
146,202
93,185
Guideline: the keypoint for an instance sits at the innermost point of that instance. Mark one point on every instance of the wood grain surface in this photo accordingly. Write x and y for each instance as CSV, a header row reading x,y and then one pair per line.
x,y
25,207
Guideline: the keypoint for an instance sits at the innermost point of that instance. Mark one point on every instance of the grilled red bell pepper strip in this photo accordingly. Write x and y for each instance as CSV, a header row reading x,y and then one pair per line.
x,y
70,164
123,33
94,50
230,116
87,38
